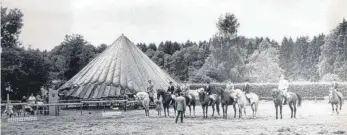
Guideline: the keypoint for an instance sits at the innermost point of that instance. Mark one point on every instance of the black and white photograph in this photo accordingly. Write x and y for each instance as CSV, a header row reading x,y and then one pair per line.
x,y
173,67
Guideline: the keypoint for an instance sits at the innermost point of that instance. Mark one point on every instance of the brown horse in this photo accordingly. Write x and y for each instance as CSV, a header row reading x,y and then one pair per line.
x,y
226,100
168,100
336,99
206,100
293,100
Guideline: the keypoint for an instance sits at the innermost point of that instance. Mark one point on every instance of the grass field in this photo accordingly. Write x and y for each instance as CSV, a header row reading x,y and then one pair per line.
x,y
312,118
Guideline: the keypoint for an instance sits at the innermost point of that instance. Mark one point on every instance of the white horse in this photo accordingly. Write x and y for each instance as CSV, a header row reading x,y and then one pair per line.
x,y
241,100
253,101
143,98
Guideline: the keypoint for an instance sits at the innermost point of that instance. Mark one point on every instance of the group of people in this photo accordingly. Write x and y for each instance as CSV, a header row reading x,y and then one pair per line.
x,y
179,91
283,85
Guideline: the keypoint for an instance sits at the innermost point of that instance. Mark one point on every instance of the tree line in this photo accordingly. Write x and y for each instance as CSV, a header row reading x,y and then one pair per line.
x,y
226,56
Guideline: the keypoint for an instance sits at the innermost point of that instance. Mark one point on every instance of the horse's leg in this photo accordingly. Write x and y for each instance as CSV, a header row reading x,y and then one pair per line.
x,y
240,112
165,111
332,106
206,111
337,108
203,111
281,111
223,110
226,111
294,110
291,110
276,106
194,110
234,106
190,111
217,106
212,110
252,106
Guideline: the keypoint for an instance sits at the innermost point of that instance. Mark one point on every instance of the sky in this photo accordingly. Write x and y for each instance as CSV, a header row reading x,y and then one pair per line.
x,y
46,22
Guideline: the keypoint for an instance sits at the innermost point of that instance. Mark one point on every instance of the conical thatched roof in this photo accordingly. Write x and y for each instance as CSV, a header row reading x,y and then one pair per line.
x,y
121,68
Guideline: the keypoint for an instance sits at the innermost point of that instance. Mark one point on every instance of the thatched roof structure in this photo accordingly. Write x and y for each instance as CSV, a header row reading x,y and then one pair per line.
x,y
121,68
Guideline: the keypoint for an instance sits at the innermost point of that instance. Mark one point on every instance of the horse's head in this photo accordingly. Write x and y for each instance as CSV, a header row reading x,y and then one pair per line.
x,y
201,94
236,93
275,93
160,92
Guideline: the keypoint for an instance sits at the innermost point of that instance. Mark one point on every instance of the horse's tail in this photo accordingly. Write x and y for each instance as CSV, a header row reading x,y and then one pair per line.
x,y
299,99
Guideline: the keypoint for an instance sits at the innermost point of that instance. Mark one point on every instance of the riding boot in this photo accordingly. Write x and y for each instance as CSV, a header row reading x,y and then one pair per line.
x,y
285,101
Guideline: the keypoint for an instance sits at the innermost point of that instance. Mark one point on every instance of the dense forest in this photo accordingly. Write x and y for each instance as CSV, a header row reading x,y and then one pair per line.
x,y
225,57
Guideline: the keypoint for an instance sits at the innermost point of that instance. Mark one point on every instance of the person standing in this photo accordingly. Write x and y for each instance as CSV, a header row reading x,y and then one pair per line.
x,y
150,91
283,85
171,88
181,106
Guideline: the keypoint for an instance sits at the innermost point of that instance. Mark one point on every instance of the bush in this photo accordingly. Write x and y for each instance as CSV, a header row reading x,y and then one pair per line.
x,y
308,90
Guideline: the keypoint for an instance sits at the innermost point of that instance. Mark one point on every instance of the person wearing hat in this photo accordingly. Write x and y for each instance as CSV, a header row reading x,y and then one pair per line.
x,y
208,88
171,88
180,104
150,91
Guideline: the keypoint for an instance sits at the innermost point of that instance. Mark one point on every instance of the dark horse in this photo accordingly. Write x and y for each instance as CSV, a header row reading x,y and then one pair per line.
x,y
207,100
226,100
167,100
293,98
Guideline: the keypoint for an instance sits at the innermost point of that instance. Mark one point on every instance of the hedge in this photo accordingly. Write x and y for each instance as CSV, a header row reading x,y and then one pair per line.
x,y
307,90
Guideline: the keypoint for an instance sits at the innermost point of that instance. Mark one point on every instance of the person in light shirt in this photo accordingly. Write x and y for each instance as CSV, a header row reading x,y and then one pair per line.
x,y
283,85
31,99
332,88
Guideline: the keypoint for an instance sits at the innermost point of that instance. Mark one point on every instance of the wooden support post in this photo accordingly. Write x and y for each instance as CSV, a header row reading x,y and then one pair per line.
x,y
104,106
81,108
125,105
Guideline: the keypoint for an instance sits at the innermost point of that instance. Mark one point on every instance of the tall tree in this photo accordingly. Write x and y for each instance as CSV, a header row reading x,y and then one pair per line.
x,y
11,24
333,54
71,56
263,64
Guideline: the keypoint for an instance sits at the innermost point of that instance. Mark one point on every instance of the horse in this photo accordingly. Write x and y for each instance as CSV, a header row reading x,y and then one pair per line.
x,y
168,99
336,99
159,105
253,101
207,100
143,98
227,99
293,100
190,101
241,100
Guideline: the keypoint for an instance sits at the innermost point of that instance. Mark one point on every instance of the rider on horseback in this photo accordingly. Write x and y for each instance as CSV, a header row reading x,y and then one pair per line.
x,y
171,88
208,88
186,91
178,90
247,91
333,87
150,91
283,85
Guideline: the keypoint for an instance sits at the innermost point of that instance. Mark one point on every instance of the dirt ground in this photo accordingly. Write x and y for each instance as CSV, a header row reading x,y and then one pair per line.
x,y
312,118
